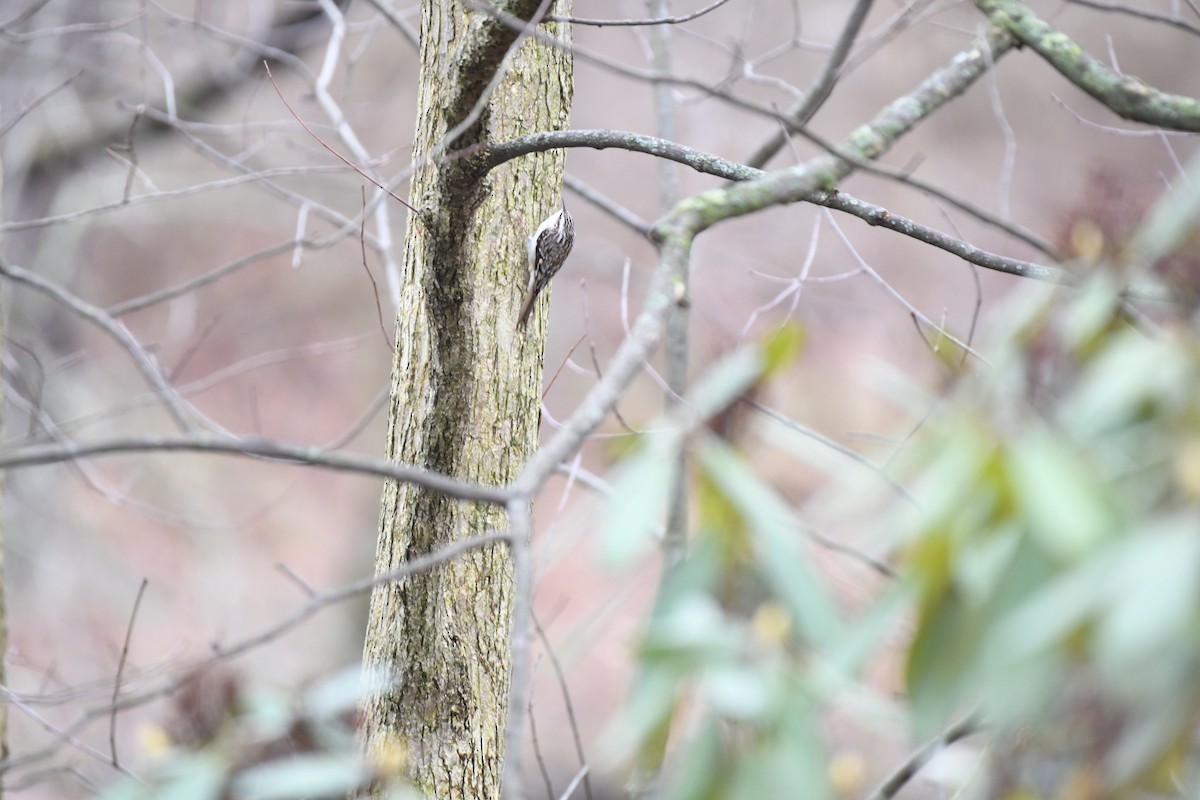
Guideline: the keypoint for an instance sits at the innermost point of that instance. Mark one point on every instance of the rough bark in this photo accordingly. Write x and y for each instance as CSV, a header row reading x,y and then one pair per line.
x,y
3,580
465,398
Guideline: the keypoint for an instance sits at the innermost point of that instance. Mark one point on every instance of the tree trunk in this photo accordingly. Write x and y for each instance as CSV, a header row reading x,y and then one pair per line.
x,y
466,388
3,580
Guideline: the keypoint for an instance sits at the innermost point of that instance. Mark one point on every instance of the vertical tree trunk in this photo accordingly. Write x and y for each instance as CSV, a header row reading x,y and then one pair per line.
x,y
465,396
3,581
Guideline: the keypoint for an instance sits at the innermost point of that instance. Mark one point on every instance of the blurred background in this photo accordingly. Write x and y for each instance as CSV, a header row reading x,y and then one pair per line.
x,y
152,169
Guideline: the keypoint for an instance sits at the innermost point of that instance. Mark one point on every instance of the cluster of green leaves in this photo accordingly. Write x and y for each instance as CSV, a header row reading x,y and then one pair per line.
x,y
272,745
746,647
1048,552
1055,549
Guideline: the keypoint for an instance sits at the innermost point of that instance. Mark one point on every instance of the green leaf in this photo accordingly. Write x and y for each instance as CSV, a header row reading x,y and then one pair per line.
x,y
1056,490
701,769
792,756
861,639
693,629
269,714
344,691
307,776
980,567
639,494
1092,311
198,777
781,347
725,381
1054,610
741,692
1173,218
1130,377
777,540
957,490
940,660
1152,596
649,708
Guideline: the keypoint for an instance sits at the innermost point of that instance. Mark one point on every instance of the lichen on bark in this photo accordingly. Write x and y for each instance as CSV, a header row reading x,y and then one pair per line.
x,y
465,399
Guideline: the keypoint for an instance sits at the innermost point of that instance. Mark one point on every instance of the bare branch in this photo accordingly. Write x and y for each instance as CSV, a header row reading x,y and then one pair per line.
x,y
31,105
837,200
179,409
802,112
398,22
853,455
260,448
572,723
607,205
676,343
877,215
520,689
1140,13
908,770
171,292
343,128
112,725
660,20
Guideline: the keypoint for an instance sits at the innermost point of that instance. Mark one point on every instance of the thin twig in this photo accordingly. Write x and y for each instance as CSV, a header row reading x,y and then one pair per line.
x,y
1150,16
62,736
333,150
570,706
187,287
291,575
37,101
626,23
112,720
520,676
800,114
587,328
892,292
606,204
581,775
181,411
853,455
400,24
537,753
908,770
563,363
362,240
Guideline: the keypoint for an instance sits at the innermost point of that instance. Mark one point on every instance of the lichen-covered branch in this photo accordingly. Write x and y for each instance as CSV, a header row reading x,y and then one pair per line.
x,y
1124,95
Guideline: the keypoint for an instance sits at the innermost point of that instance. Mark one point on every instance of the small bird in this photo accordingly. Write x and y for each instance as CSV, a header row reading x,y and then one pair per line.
x,y
548,249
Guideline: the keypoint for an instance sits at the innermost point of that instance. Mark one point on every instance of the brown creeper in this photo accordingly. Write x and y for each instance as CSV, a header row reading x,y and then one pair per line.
x,y
548,249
